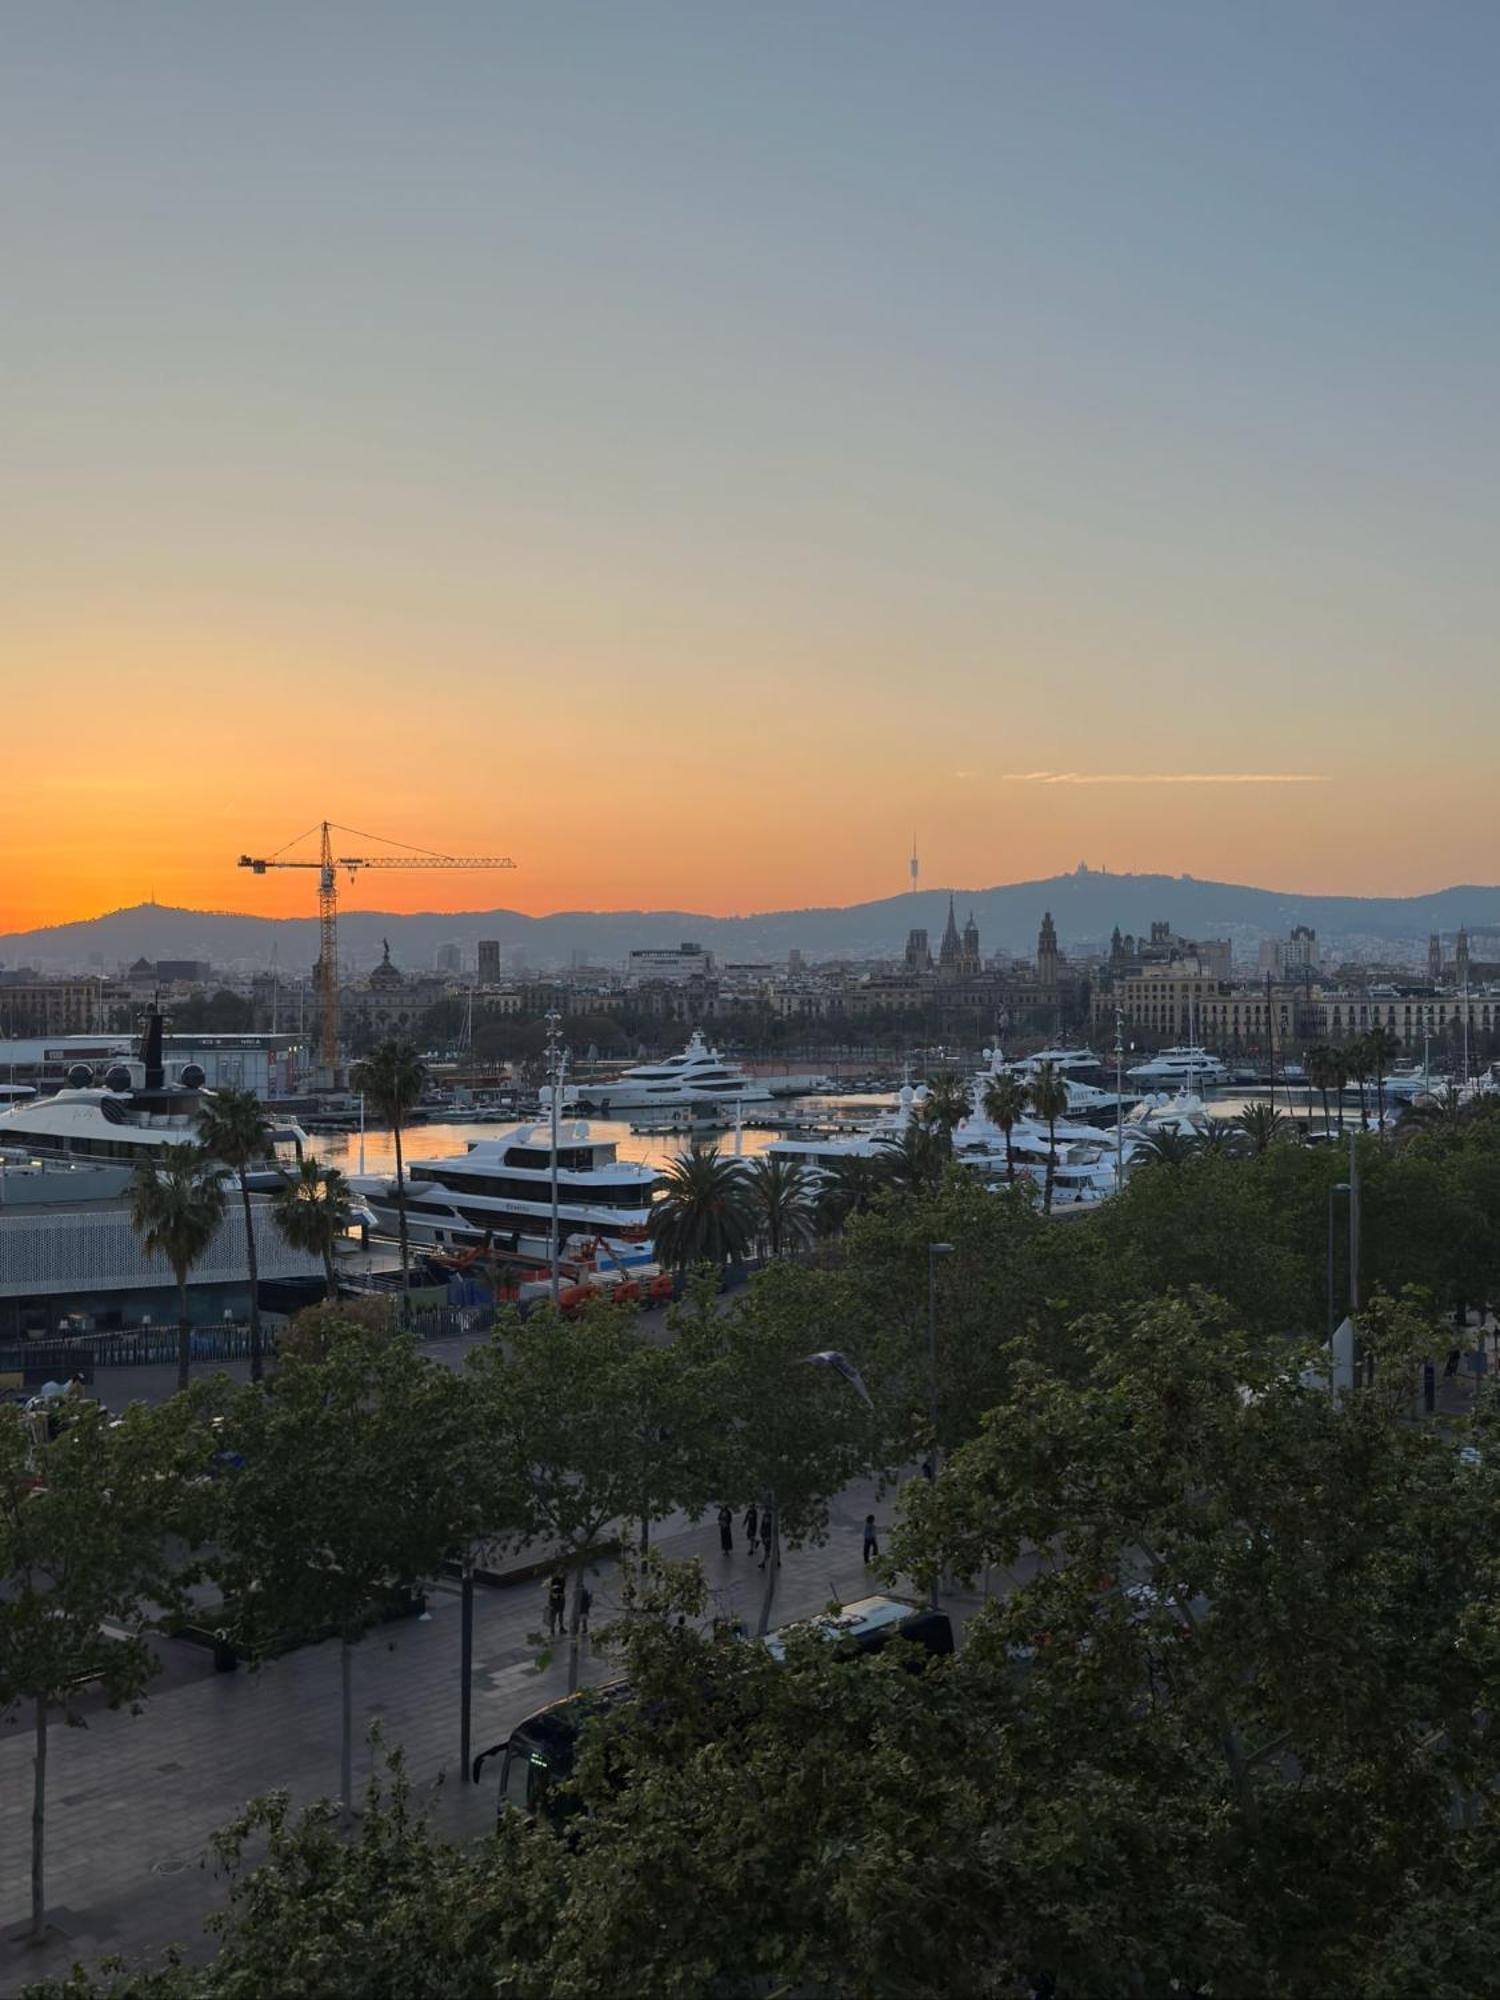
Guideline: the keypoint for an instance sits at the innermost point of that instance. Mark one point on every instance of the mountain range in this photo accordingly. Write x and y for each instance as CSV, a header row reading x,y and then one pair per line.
x,y
1085,905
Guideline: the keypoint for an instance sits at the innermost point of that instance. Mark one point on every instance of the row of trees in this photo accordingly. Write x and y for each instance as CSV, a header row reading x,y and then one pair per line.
x,y
177,1198
1223,1725
361,1466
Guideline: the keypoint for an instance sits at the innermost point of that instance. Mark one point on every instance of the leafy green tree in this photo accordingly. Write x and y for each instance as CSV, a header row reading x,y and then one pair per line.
x,y
585,1424
1253,1594
392,1079
780,1195
176,1207
703,1214
784,1431
313,1209
87,1507
355,1478
233,1130
1049,1098
1004,1104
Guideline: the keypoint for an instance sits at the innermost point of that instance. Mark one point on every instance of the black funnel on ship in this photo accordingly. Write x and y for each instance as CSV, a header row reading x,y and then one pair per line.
x,y
151,1056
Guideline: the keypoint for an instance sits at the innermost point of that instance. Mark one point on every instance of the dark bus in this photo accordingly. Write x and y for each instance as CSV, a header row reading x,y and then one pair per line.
x,y
538,1756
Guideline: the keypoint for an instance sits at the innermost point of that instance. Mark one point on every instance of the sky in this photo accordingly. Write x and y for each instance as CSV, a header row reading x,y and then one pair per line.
x,y
690,448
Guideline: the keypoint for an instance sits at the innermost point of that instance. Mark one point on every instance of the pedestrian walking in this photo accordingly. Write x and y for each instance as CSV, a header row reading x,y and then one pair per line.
x,y
557,1600
752,1527
872,1546
585,1606
726,1531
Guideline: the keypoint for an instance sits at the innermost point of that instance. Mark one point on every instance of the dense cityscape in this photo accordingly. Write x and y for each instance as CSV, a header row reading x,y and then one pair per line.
x,y
671,1354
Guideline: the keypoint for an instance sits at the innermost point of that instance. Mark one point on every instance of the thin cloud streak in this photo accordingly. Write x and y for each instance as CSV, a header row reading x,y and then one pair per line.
x,y
1162,778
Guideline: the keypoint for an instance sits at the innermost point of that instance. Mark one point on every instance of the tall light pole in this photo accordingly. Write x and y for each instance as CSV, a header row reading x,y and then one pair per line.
x,y
1339,1187
934,1252
557,1060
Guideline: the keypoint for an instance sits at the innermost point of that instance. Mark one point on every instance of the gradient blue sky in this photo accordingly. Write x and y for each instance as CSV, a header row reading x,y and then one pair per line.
x,y
687,446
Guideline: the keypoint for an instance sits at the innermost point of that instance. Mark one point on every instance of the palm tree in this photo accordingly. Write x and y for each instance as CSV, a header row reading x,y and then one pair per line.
x,y
1359,1061
848,1188
1338,1072
1168,1147
947,1103
1382,1045
1005,1106
703,1215
913,1163
1261,1125
1049,1099
176,1206
1221,1138
1322,1073
232,1129
312,1209
392,1078
780,1194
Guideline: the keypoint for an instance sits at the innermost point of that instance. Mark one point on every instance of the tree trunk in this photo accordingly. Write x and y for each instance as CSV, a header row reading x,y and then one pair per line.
x,y
38,1823
184,1333
257,1361
773,1563
573,1630
1051,1162
401,1220
328,1272
346,1724
1010,1157
1323,1090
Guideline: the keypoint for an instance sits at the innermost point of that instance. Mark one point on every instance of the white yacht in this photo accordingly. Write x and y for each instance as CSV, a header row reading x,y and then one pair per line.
x,y
1085,1099
498,1191
700,1075
1186,1064
123,1115
830,1150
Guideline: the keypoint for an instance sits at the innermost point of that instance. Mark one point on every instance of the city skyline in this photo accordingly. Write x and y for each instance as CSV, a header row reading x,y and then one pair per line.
x,y
684,450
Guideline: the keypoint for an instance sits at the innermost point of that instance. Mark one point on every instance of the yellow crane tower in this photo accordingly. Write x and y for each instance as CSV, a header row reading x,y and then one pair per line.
x,y
327,969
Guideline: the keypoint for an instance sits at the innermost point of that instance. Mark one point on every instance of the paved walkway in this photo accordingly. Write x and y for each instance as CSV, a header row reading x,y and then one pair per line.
x,y
132,1800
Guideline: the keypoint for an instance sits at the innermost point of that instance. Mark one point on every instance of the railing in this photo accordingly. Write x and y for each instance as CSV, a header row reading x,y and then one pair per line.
x,y
153,1346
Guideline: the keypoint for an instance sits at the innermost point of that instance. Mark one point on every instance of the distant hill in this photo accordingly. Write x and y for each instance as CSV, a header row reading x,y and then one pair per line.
x,y
1085,905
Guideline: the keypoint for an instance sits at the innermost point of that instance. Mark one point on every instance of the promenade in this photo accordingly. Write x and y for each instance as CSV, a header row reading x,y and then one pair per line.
x,y
133,1799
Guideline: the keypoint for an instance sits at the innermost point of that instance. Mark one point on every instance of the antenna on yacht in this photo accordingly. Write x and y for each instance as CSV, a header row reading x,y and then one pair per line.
x,y
557,1061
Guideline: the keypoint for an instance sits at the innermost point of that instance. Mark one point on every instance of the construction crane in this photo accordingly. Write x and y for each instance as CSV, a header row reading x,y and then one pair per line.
x,y
326,972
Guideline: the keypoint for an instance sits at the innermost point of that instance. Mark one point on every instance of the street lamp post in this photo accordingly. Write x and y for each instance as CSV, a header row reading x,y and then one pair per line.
x,y
934,1252
1339,1187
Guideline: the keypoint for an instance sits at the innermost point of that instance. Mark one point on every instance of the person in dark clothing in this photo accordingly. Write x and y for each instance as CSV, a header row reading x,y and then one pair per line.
x,y
557,1601
585,1606
726,1531
752,1526
872,1547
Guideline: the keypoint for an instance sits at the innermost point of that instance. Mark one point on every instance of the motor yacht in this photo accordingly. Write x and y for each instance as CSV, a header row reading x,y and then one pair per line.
x,y
699,1075
498,1191
1085,1099
125,1113
1185,1064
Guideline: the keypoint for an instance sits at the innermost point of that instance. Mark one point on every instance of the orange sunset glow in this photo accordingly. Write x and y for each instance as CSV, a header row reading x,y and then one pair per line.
x,y
575,477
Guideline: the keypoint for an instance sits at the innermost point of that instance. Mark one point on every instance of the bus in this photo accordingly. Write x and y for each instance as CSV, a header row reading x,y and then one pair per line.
x,y
538,1756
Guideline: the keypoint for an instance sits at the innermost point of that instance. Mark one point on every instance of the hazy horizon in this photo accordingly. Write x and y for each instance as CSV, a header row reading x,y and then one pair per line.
x,y
689,449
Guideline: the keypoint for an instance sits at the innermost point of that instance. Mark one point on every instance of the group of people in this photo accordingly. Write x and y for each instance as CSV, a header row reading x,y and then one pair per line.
x,y
557,1604
759,1526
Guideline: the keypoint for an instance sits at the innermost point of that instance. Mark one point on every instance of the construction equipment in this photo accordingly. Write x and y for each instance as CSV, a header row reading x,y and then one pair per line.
x,y
326,972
